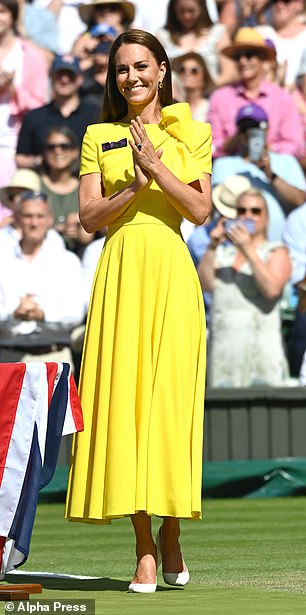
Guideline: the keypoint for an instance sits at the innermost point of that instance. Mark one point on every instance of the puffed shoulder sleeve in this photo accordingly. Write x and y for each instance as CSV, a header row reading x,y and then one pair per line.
x,y
202,146
89,153
194,137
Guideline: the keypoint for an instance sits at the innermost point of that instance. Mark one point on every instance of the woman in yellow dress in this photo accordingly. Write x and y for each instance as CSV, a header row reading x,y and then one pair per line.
x,y
143,168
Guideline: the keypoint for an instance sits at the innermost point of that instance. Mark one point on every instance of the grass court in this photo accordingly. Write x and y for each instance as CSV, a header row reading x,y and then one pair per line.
x,y
247,557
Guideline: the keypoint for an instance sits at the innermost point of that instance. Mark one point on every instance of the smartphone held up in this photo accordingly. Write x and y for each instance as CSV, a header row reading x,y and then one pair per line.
x,y
256,143
248,223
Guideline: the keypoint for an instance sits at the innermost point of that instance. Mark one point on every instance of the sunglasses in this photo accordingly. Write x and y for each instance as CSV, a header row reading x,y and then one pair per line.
x,y
194,70
246,54
50,147
112,7
242,211
27,195
64,72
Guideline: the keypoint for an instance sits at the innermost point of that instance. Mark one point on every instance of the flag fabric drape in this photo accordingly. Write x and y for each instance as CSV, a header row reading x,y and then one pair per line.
x,y
38,405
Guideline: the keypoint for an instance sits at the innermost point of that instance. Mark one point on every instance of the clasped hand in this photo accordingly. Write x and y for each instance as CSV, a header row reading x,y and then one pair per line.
x,y
28,309
145,158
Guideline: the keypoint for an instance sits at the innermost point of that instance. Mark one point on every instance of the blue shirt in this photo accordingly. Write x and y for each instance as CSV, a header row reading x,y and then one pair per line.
x,y
41,27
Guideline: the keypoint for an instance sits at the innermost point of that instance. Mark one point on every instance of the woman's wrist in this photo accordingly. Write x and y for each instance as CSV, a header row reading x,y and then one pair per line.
x,y
213,243
137,185
154,168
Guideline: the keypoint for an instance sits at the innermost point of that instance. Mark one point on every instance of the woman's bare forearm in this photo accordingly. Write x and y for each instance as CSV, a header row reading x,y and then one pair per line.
x,y
192,201
206,269
270,280
97,211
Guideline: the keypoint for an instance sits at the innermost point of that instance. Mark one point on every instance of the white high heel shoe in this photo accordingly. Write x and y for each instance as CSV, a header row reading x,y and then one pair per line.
x,y
171,578
143,588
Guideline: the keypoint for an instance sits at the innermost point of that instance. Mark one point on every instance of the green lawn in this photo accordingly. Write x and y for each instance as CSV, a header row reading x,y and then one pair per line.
x,y
247,556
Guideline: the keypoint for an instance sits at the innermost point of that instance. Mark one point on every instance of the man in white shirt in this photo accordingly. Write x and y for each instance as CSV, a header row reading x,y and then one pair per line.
x,y
41,290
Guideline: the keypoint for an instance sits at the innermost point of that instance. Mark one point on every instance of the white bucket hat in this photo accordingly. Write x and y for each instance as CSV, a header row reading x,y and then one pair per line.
x,y
224,196
26,179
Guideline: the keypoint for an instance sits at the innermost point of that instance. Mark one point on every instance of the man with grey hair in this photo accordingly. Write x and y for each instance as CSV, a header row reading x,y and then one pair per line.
x,y
45,300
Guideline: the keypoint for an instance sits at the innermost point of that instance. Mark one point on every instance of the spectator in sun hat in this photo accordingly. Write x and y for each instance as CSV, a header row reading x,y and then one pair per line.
x,y
22,180
279,176
224,208
104,21
246,275
66,107
224,203
249,51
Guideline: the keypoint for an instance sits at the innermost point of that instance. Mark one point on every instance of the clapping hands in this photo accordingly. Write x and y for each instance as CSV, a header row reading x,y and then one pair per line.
x,y
144,154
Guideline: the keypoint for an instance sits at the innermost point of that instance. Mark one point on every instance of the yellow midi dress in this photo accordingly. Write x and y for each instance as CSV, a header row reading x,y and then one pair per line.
x,y
143,366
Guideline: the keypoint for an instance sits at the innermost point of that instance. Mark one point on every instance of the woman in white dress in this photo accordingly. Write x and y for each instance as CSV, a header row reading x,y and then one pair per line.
x,y
247,274
189,27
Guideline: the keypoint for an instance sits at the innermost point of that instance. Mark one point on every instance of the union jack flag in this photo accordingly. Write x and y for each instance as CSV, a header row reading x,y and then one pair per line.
x,y
38,405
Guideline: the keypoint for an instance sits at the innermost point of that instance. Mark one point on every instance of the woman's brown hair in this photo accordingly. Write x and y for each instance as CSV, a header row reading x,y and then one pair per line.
x,y
114,104
174,26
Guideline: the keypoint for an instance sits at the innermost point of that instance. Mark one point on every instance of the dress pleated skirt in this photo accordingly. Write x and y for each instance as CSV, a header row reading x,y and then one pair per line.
x,y
142,382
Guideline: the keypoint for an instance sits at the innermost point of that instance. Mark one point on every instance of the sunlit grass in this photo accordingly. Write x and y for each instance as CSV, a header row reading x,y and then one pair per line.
x,y
246,556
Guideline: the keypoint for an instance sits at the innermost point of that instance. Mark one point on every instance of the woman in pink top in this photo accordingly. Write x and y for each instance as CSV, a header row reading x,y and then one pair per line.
x,y
23,84
251,53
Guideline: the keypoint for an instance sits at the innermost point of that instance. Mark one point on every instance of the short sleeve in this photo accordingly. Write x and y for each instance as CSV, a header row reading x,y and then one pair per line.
x,y
195,136
89,153
202,146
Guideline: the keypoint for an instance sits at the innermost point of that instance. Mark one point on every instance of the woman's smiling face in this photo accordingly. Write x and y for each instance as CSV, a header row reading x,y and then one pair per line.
x,y
137,74
59,151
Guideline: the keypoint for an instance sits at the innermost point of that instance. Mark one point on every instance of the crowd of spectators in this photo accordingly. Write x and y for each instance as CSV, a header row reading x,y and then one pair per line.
x,y
241,65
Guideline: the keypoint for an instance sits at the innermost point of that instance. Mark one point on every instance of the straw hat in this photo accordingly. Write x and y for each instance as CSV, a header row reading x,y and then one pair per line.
x,y
26,179
247,39
224,196
128,9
